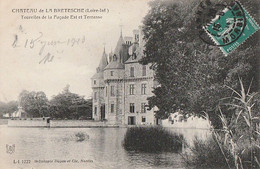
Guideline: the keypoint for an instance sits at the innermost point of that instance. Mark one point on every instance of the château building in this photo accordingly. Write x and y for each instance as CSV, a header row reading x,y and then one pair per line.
x,y
121,85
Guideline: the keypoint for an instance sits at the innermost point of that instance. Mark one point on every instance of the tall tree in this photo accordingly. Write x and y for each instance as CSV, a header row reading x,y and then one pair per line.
x,y
34,103
69,105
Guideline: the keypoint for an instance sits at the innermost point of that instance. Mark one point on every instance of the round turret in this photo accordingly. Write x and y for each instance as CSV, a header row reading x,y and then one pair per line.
x,y
114,70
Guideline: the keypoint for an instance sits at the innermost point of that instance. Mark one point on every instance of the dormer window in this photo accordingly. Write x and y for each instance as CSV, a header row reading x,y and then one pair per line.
x,y
136,37
114,57
134,56
111,73
98,69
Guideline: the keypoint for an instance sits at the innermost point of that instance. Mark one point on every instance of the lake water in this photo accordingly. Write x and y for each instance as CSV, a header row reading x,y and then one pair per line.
x,y
59,148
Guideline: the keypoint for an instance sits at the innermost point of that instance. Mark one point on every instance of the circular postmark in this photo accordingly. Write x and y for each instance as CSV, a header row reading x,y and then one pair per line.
x,y
227,25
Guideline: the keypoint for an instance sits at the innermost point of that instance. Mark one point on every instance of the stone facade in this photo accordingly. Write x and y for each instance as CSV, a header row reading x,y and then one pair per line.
x,y
122,85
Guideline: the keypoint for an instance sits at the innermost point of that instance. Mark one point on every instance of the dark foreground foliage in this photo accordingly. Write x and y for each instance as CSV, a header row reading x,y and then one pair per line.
x,y
246,157
197,73
152,139
208,154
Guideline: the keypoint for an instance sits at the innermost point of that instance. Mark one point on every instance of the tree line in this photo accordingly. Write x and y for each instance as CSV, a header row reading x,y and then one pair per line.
x,y
65,105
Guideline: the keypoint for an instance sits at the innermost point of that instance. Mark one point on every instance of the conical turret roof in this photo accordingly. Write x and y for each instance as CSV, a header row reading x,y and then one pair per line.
x,y
119,45
103,62
100,69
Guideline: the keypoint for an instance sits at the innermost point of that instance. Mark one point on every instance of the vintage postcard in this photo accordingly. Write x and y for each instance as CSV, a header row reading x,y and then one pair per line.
x,y
126,84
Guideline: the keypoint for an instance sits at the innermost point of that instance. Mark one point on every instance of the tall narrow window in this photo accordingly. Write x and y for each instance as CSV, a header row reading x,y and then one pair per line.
x,y
112,108
112,73
143,119
144,70
106,92
95,82
95,110
132,107
143,89
143,110
95,96
132,72
132,88
112,91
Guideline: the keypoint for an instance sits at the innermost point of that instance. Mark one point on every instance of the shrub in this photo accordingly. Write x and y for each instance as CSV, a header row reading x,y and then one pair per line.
x,y
152,139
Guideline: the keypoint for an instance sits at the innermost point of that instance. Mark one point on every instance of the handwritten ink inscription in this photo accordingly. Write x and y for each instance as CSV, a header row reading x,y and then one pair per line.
x,y
39,42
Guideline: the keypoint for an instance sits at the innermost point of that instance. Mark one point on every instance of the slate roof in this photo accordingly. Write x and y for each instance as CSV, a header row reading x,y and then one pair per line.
x,y
103,62
135,53
115,65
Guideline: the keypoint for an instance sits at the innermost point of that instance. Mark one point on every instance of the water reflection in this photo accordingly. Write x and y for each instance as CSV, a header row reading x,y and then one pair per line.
x,y
104,148
150,160
190,134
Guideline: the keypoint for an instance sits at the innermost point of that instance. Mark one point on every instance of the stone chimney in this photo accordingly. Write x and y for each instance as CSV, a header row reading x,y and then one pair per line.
x,y
136,35
141,36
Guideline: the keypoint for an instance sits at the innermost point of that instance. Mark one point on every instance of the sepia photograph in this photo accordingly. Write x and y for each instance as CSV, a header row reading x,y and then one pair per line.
x,y
129,84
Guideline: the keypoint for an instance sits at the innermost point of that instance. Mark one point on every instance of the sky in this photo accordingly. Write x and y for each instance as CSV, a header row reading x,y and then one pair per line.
x,y
71,48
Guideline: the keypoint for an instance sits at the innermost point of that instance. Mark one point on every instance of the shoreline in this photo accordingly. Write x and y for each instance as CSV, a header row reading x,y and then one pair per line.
x,y
81,124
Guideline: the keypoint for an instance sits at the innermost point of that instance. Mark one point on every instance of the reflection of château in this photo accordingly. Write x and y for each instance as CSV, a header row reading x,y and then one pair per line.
x,y
177,120
122,85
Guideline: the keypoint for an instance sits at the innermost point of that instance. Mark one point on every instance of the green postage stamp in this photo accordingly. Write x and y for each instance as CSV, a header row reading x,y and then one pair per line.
x,y
231,28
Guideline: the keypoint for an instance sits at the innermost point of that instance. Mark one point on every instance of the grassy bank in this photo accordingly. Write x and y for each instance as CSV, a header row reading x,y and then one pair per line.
x,y
152,139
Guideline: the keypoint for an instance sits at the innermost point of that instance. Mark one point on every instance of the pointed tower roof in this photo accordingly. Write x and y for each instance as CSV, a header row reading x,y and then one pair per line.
x,y
110,56
119,45
121,50
103,62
